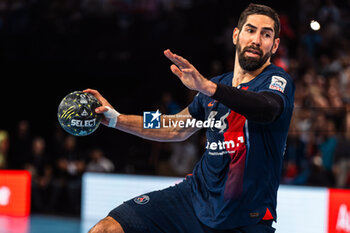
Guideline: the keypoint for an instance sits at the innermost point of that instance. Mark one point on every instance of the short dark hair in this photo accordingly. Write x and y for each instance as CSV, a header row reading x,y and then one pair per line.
x,y
257,9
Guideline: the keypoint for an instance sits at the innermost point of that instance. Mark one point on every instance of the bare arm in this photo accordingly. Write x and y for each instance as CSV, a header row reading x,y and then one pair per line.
x,y
133,124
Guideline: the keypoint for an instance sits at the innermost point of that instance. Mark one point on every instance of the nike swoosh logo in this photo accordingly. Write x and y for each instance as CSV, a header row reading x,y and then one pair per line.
x,y
211,104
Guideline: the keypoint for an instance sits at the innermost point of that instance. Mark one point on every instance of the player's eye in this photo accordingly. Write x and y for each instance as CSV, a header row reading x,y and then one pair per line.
x,y
249,30
267,35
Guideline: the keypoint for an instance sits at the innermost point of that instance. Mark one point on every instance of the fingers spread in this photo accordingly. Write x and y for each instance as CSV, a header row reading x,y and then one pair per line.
x,y
170,56
188,70
168,53
182,62
178,60
176,70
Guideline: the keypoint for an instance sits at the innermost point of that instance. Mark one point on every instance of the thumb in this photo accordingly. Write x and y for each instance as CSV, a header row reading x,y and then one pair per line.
x,y
101,109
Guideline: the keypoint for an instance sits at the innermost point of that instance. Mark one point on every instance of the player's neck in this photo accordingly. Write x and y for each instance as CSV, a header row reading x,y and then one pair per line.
x,y
243,76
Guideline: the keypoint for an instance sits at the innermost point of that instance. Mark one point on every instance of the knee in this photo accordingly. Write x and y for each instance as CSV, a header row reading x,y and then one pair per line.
x,y
107,225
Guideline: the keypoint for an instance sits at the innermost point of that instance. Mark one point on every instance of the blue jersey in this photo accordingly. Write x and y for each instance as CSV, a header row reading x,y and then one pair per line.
x,y
236,181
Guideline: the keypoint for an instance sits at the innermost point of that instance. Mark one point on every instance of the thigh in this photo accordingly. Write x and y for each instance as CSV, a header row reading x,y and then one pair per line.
x,y
169,210
107,224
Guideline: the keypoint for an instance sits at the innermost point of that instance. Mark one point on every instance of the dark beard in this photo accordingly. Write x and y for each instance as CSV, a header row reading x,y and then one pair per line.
x,y
251,63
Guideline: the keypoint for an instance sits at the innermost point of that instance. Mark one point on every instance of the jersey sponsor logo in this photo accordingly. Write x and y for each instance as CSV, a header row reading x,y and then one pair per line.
x,y
211,104
233,137
278,83
141,200
225,147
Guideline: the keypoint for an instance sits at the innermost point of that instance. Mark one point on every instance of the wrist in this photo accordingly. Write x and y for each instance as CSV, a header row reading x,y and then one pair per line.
x,y
112,116
209,88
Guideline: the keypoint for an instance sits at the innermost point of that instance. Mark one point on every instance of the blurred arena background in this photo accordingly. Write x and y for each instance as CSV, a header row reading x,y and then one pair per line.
x,y
49,48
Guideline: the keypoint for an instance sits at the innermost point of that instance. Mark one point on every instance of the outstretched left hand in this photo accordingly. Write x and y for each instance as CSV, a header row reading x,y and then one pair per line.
x,y
189,75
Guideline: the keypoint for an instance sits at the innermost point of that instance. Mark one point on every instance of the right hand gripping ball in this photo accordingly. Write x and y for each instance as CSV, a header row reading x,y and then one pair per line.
x,y
76,113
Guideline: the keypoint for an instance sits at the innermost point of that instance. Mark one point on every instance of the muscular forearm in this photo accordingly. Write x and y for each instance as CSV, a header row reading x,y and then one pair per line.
x,y
134,125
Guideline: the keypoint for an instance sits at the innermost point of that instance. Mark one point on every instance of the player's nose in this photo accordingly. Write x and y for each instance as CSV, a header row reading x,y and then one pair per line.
x,y
256,40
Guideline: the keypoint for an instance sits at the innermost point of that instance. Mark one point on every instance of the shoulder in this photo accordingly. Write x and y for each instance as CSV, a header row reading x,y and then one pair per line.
x,y
277,79
275,71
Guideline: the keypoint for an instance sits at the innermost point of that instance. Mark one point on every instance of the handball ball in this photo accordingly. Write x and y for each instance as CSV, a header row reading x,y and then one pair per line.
x,y
76,113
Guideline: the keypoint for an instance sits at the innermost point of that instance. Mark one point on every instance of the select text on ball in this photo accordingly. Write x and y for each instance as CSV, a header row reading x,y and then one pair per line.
x,y
83,123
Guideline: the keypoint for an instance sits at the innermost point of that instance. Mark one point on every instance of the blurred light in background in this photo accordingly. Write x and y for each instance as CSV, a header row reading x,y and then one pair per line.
x,y
315,25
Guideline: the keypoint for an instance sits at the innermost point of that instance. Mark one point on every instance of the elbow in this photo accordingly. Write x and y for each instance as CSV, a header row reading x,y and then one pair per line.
x,y
272,114
180,134
178,137
267,114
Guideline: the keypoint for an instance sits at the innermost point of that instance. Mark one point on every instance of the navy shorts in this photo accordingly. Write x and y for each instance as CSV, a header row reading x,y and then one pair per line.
x,y
170,211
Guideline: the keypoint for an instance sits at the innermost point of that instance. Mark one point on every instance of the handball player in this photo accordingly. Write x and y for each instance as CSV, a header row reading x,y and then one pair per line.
x,y
233,188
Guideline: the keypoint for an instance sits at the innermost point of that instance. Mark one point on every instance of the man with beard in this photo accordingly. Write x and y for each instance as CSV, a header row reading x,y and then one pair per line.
x,y
233,188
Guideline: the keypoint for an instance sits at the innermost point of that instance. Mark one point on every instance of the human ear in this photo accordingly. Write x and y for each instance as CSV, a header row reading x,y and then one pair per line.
x,y
275,45
235,36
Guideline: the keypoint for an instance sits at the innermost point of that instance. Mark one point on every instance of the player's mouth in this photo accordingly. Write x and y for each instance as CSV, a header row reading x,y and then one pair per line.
x,y
253,52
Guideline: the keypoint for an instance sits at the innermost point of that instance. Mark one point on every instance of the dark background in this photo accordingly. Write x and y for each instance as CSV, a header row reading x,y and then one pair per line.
x,y
49,48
